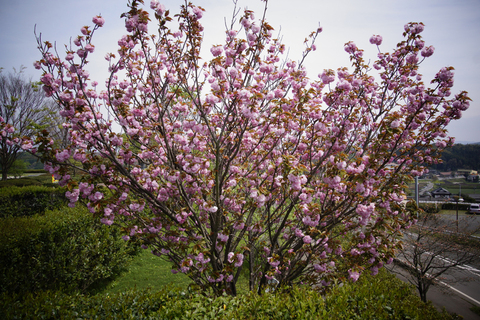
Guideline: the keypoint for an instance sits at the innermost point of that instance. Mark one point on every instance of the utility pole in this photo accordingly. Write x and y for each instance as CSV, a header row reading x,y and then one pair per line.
x,y
416,194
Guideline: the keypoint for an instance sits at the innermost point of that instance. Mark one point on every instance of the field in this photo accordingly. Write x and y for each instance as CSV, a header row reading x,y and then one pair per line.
x,y
452,185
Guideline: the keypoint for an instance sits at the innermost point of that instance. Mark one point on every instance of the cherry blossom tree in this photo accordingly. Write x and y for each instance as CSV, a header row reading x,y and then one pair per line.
x,y
242,164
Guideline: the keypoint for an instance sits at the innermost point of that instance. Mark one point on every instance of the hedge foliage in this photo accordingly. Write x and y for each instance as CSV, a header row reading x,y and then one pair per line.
x,y
430,207
435,208
29,201
453,206
65,249
21,182
36,171
380,297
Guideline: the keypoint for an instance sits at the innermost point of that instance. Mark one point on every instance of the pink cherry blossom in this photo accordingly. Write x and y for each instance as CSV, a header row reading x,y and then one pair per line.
x,y
395,123
353,275
216,50
350,47
90,48
98,20
327,77
198,12
274,263
63,156
376,39
69,56
427,51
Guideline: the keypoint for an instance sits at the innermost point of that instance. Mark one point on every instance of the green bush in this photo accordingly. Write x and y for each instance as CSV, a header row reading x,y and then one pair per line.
x,y
18,168
57,305
382,297
22,182
28,201
468,199
36,171
453,206
64,250
430,207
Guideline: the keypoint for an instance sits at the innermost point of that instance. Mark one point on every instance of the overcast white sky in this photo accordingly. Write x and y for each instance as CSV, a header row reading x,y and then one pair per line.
x,y
452,27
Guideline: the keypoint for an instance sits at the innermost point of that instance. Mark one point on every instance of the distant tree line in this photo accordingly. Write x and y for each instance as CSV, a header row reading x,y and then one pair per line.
x,y
460,156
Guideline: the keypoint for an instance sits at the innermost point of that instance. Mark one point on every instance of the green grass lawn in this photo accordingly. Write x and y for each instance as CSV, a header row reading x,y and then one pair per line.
x,y
147,271
454,212
451,185
470,190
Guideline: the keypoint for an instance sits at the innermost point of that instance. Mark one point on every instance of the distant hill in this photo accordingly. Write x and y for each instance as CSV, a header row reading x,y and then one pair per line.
x,y
33,162
466,142
460,156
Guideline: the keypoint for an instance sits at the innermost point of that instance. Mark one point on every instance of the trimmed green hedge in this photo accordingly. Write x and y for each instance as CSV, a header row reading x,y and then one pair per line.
x,y
381,297
21,182
453,206
36,171
64,250
430,207
29,201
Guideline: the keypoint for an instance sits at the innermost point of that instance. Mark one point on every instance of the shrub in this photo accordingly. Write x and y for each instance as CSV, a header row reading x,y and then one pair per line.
x,y
381,297
31,200
58,305
36,171
453,206
430,207
18,168
22,182
468,199
62,250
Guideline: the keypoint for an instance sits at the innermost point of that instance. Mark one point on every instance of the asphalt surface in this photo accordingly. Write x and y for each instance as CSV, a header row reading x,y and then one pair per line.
x,y
459,288
453,302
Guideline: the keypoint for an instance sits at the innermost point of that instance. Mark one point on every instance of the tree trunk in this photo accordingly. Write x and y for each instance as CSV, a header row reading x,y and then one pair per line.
x,y
422,291
423,296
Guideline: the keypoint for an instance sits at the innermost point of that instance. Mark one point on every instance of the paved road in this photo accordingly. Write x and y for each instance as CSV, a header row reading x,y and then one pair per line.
x,y
469,286
459,288
468,222
26,175
443,297
427,188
